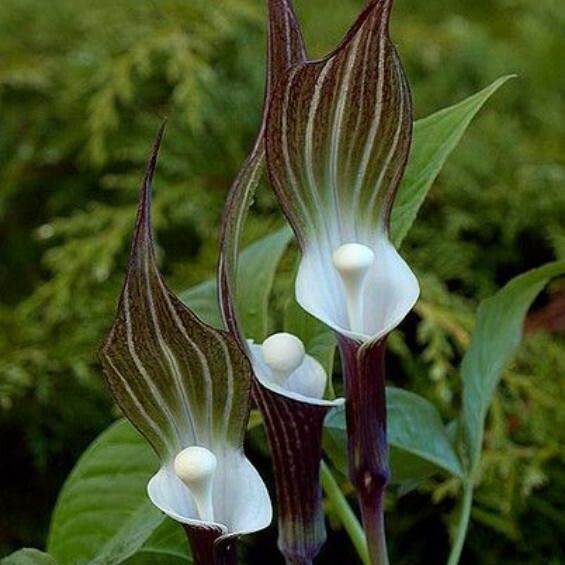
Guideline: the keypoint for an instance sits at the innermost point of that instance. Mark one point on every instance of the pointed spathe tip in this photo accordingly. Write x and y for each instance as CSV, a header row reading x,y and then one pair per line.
x,y
143,230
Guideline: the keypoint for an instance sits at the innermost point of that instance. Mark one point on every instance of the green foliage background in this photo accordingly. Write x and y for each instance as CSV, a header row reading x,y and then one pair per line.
x,y
83,86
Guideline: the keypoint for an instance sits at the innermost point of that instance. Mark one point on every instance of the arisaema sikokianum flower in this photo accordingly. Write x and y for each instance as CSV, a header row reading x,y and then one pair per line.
x,y
337,141
290,385
186,387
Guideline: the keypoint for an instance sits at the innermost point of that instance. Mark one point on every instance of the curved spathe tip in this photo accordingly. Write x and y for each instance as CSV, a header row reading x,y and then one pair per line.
x,y
241,501
389,293
266,377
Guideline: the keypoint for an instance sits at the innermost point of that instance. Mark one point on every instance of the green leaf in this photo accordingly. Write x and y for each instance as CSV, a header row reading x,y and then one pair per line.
x,y
318,339
415,426
202,299
434,138
256,273
495,340
416,434
28,556
103,514
408,470
166,546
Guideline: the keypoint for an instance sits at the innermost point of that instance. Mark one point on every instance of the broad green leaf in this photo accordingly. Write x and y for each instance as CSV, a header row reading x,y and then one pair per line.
x,y
434,138
256,273
103,514
166,546
408,470
28,556
496,338
415,426
404,466
318,339
416,434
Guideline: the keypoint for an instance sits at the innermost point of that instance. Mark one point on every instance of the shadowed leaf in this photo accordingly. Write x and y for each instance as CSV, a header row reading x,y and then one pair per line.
x,y
28,556
416,435
258,263
102,514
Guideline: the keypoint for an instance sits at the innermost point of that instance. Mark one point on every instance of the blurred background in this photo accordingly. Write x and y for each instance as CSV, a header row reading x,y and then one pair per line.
x,y
83,87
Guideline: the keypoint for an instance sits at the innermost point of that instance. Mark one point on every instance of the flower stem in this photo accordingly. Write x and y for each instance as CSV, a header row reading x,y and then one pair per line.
x,y
208,549
363,366
462,525
371,502
345,513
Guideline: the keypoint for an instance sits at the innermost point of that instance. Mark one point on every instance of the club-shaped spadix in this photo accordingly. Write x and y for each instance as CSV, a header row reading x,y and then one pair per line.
x,y
283,353
353,262
282,361
195,467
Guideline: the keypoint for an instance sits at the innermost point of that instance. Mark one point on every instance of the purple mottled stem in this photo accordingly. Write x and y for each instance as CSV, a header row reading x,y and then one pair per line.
x,y
294,430
371,500
363,368
210,546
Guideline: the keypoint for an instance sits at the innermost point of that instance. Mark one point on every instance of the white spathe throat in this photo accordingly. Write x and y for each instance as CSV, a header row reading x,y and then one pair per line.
x,y
282,365
361,291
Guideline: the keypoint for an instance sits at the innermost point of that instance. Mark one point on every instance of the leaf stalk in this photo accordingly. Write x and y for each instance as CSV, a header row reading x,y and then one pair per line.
x,y
345,513
462,524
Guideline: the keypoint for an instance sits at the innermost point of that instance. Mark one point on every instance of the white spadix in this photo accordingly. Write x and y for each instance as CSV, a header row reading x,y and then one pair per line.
x,y
283,353
195,467
353,262
286,361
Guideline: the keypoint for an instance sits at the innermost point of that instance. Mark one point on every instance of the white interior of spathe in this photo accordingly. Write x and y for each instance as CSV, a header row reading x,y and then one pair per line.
x,y
240,498
390,290
294,386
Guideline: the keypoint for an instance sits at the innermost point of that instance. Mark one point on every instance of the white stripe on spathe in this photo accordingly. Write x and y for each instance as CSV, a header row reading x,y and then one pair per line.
x,y
139,406
391,153
294,185
375,124
337,126
316,199
184,402
361,98
159,400
207,378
